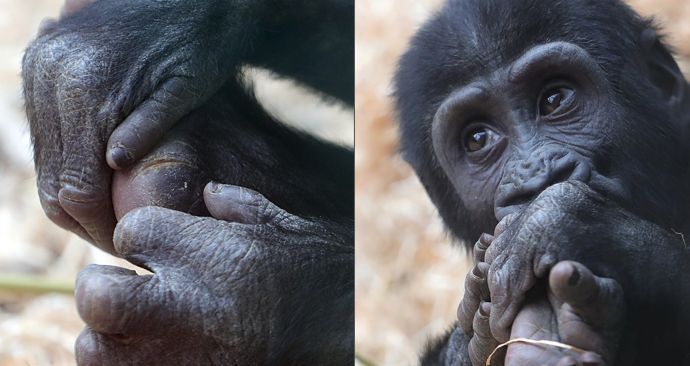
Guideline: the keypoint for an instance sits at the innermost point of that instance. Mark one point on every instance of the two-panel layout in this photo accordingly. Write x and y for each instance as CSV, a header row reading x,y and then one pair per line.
x,y
515,191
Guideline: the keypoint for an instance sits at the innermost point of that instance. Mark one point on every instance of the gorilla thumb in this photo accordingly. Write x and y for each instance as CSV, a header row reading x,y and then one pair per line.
x,y
238,204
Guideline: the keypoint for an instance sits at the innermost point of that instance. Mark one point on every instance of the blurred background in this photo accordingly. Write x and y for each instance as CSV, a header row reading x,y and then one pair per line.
x,y
409,275
38,260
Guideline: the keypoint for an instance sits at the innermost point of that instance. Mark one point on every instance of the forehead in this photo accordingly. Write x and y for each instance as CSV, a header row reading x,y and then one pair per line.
x,y
474,37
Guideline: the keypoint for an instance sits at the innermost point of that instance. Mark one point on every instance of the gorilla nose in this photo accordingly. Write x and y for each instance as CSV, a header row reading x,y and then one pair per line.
x,y
523,181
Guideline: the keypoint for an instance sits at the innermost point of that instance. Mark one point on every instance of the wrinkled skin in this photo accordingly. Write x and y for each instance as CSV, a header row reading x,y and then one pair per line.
x,y
285,312
108,80
305,176
580,309
495,116
598,233
123,117
611,316
200,307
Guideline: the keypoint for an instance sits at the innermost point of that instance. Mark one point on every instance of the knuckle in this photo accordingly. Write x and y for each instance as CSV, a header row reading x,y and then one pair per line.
x,y
83,203
84,182
44,51
67,63
87,349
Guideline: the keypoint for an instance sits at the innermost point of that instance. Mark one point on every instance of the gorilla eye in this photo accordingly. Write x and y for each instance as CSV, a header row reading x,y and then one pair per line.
x,y
553,98
478,138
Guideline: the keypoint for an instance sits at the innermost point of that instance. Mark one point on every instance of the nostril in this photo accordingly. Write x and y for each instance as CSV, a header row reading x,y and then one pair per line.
x,y
572,169
516,193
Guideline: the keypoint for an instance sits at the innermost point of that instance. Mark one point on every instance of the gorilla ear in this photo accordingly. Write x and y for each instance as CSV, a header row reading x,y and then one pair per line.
x,y
662,68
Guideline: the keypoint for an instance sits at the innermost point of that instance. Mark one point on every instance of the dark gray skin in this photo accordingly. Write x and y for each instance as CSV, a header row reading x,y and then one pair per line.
x,y
576,308
106,82
200,307
267,278
272,285
494,115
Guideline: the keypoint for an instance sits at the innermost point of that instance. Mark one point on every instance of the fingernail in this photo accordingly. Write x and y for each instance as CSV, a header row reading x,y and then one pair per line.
x,y
480,270
477,272
119,157
574,277
484,309
485,239
215,187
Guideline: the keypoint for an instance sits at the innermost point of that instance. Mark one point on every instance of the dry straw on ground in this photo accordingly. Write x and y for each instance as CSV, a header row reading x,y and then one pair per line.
x,y
408,278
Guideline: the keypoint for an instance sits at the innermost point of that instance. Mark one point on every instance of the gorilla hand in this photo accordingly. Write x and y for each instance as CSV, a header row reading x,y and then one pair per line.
x,y
580,310
569,221
91,87
257,288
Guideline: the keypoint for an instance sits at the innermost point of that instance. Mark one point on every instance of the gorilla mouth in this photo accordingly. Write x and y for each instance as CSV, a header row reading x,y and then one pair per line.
x,y
516,201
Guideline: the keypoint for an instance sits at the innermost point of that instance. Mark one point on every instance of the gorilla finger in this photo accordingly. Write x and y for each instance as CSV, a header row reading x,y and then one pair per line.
x,y
154,236
84,176
504,224
97,349
147,124
472,297
46,133
597,300
482,343
55,212
506,300
86,348
114,300
480,247
238,204
91,206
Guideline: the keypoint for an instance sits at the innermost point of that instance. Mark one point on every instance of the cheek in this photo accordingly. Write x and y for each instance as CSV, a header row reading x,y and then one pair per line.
x,y
478,195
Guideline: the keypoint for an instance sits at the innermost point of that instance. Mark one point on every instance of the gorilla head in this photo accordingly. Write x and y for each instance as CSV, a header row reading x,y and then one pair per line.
x,y
497,100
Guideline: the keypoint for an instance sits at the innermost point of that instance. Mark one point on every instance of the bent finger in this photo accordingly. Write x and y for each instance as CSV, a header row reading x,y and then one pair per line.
x,y
238,204
146,125
474,282
114,300
597,300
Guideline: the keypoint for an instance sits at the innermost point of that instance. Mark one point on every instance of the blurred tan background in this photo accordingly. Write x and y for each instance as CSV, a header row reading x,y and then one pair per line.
x,y
39,261
409,278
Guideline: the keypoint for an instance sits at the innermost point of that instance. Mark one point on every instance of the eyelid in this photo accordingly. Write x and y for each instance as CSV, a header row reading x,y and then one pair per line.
x,y
553,56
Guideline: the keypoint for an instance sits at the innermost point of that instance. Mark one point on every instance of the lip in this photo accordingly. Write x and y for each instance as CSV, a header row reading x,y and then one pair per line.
x,y
502,212
519,198
609,188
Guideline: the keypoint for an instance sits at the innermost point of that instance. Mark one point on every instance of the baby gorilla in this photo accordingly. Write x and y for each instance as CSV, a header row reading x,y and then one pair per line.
x,y
573,116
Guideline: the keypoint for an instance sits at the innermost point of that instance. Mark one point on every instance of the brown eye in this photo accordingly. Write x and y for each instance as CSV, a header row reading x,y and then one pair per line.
x,y
553,98
477,139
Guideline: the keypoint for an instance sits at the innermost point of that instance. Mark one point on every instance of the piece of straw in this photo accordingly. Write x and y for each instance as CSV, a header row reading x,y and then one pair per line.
x,y
21,283
533,342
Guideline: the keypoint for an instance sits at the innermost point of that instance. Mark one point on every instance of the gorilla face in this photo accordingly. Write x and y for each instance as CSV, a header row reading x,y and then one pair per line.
x,y
508,135
492,114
